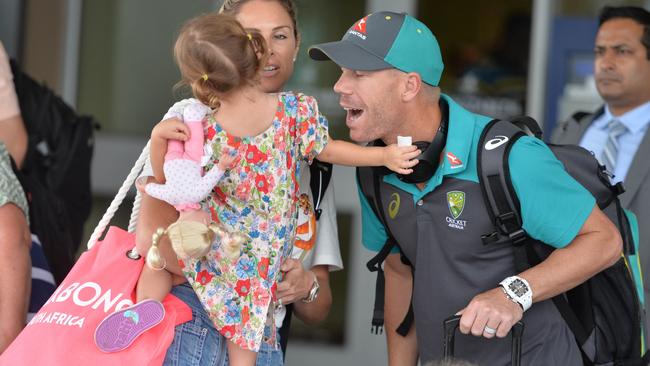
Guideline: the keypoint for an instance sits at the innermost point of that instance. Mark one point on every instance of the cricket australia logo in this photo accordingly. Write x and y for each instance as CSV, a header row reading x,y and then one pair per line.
x,y
456,204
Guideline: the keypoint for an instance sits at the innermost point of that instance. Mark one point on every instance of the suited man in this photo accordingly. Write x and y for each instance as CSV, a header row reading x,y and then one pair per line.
x,y
616,132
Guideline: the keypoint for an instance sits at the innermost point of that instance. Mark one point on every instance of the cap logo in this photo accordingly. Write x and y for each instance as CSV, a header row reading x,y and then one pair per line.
x,y
359,28
361,25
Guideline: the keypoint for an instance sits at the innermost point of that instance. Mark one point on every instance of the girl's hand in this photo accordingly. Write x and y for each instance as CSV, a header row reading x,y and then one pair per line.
x,y
228,157
401,159
171,129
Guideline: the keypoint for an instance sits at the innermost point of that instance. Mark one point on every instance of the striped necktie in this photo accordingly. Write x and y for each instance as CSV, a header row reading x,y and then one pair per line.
x,y
610,152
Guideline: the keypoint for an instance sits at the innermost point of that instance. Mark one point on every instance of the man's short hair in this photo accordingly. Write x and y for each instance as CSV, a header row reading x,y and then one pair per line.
x,y
635,13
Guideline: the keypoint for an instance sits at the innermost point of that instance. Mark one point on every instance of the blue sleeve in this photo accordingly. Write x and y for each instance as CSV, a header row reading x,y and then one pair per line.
x,y
554,206
373,234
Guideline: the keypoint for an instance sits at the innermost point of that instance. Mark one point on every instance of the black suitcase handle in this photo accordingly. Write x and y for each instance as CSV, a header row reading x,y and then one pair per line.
x,y
451,324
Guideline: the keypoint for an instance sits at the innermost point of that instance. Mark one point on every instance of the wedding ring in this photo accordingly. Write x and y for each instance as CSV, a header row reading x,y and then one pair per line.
x,y
489,330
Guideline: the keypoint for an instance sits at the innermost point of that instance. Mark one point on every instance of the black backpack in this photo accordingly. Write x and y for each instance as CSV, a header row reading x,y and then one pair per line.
x,y
605,312
319,180
56,170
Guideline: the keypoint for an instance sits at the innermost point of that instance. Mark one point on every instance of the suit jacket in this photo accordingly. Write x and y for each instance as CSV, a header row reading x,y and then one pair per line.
x,y
637,184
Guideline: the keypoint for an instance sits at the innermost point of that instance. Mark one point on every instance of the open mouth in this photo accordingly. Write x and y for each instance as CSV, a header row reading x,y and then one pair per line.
x,y
353,114
270,68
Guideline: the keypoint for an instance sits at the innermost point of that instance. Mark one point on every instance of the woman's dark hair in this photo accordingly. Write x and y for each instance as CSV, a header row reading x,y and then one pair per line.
x,y
232,7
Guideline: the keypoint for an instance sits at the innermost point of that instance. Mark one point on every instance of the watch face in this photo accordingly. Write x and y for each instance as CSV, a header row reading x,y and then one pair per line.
x,y
518,287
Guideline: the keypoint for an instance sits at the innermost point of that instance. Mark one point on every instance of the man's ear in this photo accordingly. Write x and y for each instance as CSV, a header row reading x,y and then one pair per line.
x,y
412,86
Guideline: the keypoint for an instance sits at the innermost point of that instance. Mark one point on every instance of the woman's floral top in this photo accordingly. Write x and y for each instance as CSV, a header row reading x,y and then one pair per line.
x,y
258,197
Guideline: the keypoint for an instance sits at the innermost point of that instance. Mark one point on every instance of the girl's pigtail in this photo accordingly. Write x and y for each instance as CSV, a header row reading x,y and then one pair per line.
x,y
154,259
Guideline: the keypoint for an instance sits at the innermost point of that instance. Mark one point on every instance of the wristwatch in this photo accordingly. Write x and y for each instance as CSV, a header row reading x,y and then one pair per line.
x,y
518,290
313,292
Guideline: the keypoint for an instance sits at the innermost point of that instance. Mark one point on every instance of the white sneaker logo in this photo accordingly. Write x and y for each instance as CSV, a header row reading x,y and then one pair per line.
x,y
496,142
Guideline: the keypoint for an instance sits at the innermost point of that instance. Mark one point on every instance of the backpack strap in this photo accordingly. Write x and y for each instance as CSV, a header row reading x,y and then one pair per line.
x,y
502,204
625,229
495,143
374,264
528,125
319,180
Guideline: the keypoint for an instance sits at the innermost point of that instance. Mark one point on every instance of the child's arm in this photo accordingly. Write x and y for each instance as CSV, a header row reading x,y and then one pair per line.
x,y
170,129
397,159
228,157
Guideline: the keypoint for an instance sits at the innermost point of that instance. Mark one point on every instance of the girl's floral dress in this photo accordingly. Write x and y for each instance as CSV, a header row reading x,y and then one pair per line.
x,y
258,196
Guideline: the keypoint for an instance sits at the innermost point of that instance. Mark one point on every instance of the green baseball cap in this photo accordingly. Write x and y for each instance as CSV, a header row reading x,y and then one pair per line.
x,y
385,40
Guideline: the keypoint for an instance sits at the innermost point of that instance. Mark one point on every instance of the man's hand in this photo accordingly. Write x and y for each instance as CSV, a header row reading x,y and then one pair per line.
x,y
492,309
296,282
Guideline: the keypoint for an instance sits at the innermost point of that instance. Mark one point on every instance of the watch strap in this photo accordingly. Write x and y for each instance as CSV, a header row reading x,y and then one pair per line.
x,y
518,290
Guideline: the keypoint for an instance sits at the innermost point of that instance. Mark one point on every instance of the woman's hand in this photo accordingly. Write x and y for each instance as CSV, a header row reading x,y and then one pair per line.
x,y
296,282
400,159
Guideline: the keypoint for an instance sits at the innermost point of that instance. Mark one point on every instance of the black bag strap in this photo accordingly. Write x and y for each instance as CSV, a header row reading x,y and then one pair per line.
x,y
625,229
528,125
502,203
374,264
319,180
495,143
34,124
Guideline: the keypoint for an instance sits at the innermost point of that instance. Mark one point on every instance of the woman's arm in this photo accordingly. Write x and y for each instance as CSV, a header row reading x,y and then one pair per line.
x,y
15,272
14,136
158,149
296,285
397,158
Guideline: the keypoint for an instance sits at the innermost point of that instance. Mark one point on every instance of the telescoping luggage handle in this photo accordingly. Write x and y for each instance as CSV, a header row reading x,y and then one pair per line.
x,y
451,324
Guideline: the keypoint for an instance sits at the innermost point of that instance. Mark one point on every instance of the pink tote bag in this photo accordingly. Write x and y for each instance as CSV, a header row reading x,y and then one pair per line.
x,y
101,282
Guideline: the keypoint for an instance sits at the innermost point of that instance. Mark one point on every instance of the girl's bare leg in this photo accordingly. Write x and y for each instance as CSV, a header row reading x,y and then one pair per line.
x,y
153,284
238,356
156,284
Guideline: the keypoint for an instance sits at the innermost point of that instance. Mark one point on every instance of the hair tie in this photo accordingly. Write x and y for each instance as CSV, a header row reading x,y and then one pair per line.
x,y
250,36
204,77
